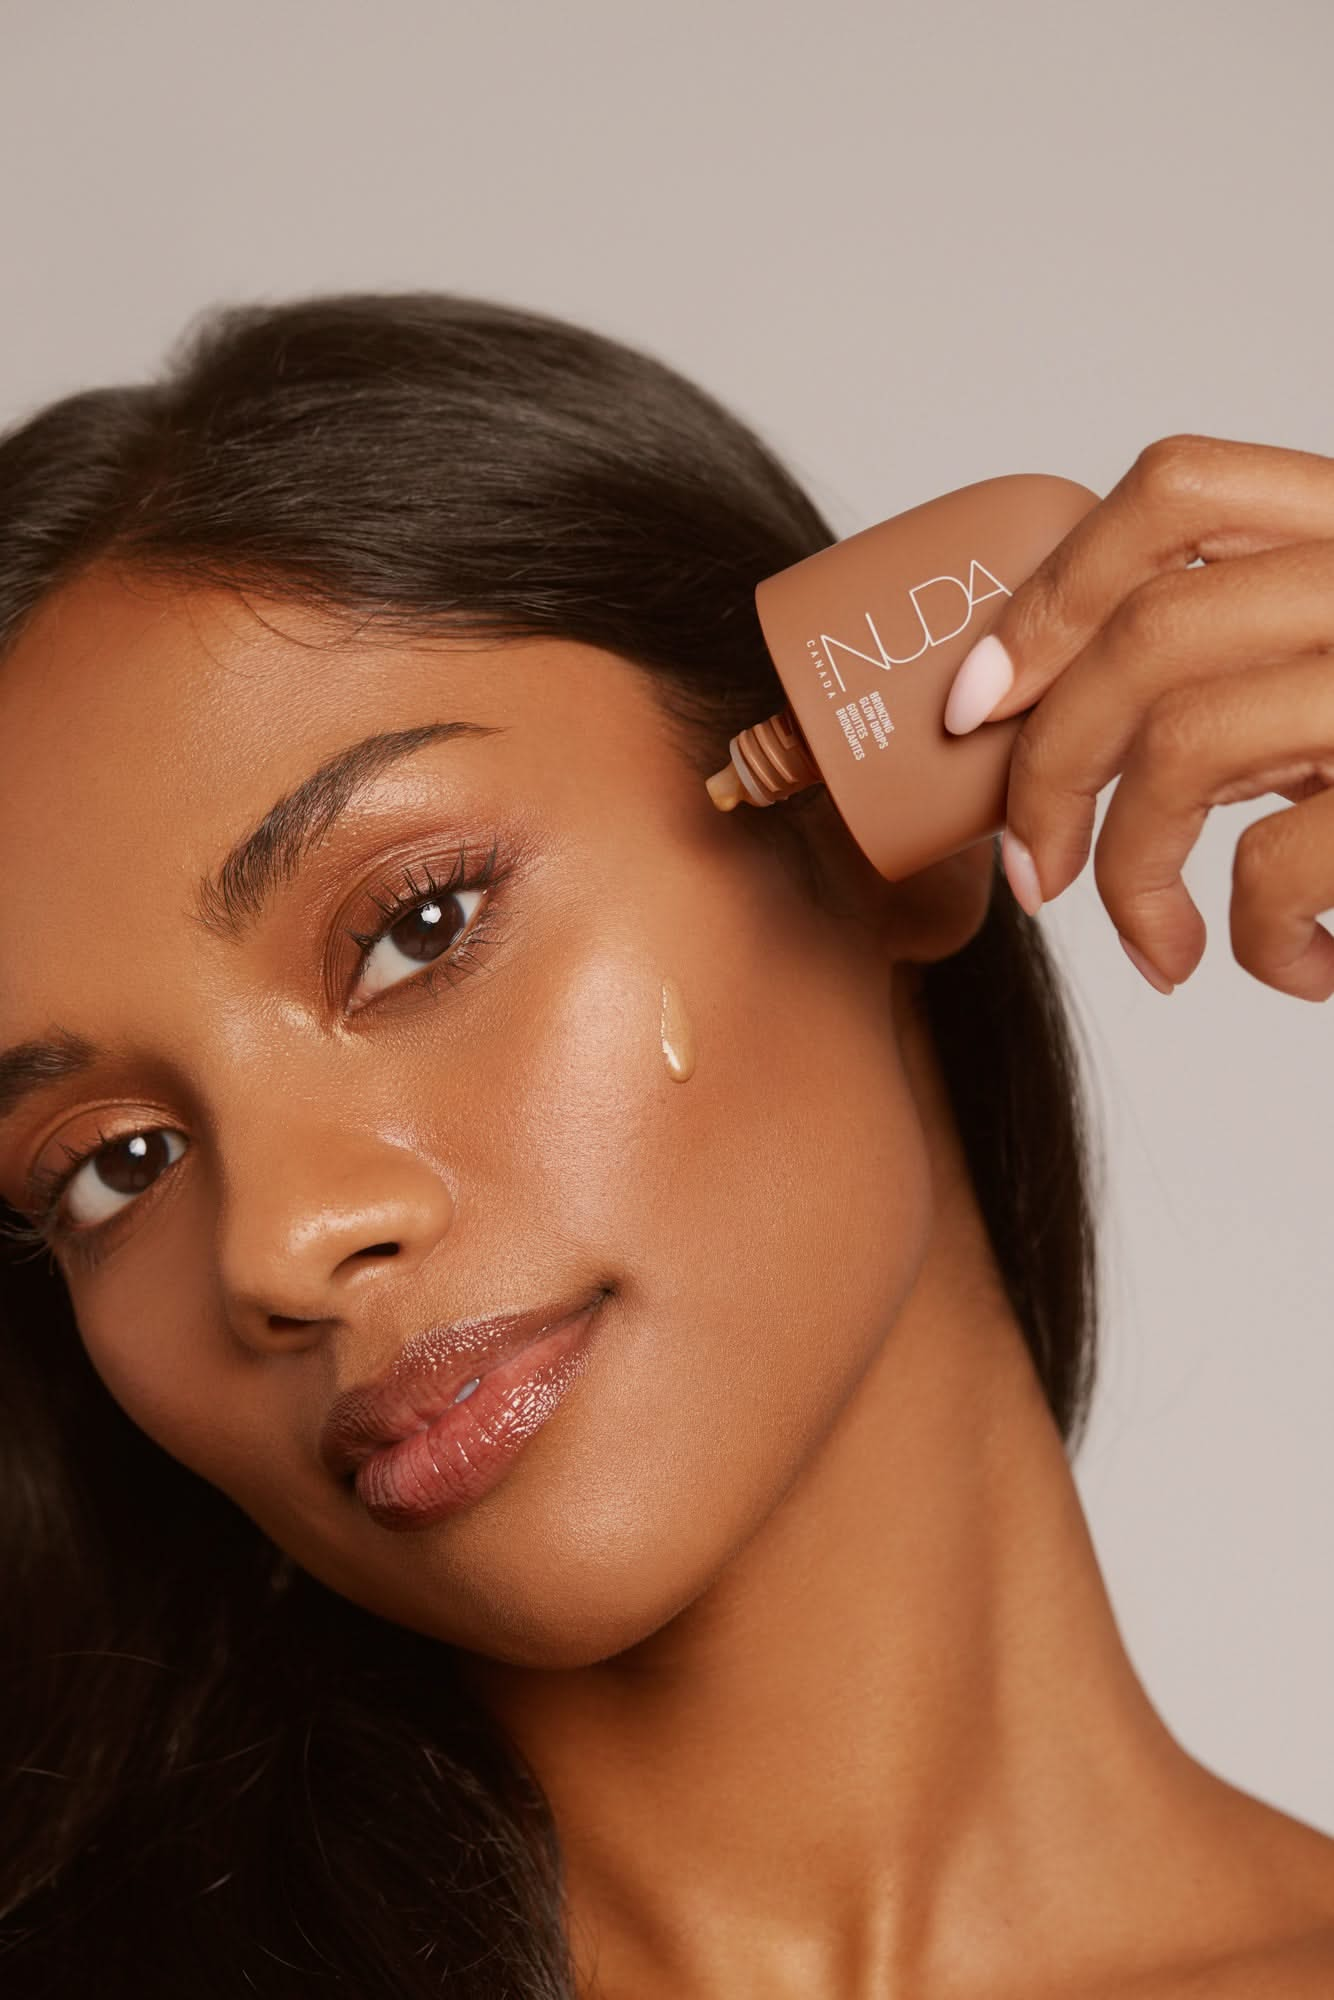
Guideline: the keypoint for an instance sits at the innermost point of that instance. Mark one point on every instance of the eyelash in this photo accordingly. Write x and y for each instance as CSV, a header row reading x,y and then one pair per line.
x,y
49,1185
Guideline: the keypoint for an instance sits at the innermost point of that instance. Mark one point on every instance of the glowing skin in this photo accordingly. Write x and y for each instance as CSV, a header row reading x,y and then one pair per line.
x,y
791,1603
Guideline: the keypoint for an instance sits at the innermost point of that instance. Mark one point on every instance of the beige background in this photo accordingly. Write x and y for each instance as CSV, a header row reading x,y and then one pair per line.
x,y
917,246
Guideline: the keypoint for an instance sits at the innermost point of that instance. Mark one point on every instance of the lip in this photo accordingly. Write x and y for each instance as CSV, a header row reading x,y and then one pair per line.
x,y
385,1431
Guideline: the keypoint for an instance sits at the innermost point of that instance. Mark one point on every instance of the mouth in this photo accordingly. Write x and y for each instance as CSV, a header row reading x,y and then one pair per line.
x,y
441,1370
449,1463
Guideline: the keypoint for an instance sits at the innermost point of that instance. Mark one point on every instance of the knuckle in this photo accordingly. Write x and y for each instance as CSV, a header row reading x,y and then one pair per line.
x,y
1175,727
1172,466
1252,863
1246,946
1148,618
1249,958
1037,603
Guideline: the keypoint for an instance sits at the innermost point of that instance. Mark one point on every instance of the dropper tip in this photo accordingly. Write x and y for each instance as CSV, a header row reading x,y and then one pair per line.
x,y
725,788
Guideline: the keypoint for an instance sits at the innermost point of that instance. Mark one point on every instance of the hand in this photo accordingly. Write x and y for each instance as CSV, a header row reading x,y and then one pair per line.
x,y
1201,685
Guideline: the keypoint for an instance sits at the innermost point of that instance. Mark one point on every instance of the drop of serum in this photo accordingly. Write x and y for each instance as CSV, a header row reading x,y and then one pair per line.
x,y
678,1034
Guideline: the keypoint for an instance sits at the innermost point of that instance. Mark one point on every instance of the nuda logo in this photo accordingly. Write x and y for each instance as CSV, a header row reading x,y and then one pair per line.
x,y
933,603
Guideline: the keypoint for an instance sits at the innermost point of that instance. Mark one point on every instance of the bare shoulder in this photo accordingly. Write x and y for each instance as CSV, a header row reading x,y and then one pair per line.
x,y
1276,1913
1295,1961
1298,1968
1310,1967
1291,1968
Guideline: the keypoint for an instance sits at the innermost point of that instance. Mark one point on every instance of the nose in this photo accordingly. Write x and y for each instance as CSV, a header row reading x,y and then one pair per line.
x,y
309,1240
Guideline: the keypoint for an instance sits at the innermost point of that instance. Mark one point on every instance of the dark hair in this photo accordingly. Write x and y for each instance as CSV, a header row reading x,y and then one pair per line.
x,y
222,1777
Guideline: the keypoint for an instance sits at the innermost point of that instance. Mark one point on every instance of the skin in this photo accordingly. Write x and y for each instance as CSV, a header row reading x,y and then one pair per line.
x,y
791,1605
1181,636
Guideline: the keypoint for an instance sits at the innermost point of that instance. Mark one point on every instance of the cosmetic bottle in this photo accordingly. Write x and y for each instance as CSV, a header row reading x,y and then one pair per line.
x,y
867,636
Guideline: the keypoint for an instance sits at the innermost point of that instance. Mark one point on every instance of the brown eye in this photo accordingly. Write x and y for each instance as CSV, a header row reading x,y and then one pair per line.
x,y
419,936
99,1186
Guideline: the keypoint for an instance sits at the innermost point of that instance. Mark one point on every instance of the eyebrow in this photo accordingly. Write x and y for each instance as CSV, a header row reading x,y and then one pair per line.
x,y
230,901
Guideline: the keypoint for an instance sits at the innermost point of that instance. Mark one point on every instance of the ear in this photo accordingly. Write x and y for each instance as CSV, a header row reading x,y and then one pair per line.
x,y
934,913
927,916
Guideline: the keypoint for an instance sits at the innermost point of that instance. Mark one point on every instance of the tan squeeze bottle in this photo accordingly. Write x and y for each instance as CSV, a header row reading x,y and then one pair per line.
x,y
866,636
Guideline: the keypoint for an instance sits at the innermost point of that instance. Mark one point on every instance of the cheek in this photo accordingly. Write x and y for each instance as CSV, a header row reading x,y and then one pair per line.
x,y
811,1200
191,1393
791,1151
762,1221
159,1380
158,1340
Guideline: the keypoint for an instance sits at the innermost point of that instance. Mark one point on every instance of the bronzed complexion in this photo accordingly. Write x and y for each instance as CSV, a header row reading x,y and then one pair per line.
x,y
508,1120
790,1604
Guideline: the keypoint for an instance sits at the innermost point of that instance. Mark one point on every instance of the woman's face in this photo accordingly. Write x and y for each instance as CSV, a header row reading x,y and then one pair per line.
x,y
505,1117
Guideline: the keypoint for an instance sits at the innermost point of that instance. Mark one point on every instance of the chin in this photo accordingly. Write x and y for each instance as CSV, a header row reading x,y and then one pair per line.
x,y
550,1614
582,1628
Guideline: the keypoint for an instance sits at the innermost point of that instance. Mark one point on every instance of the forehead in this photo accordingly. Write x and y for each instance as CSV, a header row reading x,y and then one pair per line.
x,y
144,726
207,697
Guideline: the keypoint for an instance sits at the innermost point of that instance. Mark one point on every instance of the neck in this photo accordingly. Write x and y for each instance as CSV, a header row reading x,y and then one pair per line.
x,y
899,1741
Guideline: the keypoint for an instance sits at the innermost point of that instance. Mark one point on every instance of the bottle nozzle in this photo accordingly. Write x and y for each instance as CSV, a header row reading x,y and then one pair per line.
x,y
725,789
769,762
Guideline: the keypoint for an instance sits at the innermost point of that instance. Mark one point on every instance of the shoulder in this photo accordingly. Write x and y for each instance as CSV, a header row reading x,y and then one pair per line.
x,y
1298,1968
1297,1961
1298,1965
1279,1908
1292,1968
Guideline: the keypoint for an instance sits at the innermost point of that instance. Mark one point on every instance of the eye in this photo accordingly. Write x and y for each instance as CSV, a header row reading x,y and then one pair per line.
x,y
417,931
448,924
425,926
91,1189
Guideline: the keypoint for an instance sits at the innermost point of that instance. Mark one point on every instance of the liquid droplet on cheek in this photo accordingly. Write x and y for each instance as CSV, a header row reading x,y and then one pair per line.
x,y
678,1033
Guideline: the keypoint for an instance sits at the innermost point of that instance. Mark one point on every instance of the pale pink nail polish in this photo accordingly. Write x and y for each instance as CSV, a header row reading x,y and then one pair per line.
x,y
1020,873
985,675
1142,964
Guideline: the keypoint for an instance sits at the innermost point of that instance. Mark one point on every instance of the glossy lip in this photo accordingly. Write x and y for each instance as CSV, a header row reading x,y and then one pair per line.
x,y
423,1379
471,1447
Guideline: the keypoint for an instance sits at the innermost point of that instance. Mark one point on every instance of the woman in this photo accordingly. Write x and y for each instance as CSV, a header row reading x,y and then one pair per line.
x,y
377,964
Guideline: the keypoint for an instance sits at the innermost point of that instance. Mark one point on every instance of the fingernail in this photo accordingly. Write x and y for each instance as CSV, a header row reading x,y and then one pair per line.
x,y
1020,873
985,674
1150,971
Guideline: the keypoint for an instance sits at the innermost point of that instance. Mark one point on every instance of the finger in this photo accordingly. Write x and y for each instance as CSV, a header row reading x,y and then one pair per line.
x,y
1173,630
1214,743
1185,498
1282,880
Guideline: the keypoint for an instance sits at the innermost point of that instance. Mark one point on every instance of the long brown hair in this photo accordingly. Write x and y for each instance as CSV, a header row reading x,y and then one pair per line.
x,y
220,1776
